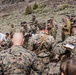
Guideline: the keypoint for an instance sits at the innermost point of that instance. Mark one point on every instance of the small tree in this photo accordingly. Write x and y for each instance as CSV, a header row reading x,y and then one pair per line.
x,y
28,10
35,6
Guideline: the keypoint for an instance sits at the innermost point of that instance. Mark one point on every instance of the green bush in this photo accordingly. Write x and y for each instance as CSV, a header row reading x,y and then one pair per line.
x,y
37,10
62,7
42,6
28,10
46,10
35,6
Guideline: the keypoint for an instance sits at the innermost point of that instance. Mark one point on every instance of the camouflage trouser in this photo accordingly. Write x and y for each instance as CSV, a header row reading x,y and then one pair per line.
x,y
52,69
45,60
33,73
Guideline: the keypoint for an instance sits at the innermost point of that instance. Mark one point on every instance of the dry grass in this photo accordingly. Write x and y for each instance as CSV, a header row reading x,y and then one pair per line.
x,y
42,14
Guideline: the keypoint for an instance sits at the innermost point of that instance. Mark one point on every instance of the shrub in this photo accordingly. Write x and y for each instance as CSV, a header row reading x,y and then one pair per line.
x,y
28,10
46,10
35,6
62,7
36,10
42,6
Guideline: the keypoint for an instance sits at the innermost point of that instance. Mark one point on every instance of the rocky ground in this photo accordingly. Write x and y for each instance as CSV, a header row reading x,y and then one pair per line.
x,y
12,11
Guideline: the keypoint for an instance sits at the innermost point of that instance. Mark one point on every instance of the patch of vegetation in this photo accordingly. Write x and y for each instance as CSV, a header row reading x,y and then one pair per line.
x,y
37,10
42,6
62,7
35,6
28,10
47,9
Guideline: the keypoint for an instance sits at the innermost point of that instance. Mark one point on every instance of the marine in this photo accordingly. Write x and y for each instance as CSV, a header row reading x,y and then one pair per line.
x,y
17,60
51,29
61,48
41,44
33,24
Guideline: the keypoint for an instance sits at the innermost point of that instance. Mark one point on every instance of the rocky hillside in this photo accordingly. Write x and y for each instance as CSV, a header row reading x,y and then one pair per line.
x,y
12,11
11,5
47,1
10,1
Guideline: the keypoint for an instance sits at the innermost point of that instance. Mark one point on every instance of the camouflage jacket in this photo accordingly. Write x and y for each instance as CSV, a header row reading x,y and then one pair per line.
x,y
52,32
60,47
18,61
41,44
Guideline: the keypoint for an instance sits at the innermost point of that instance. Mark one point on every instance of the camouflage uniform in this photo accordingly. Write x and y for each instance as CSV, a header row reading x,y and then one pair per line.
x,y
33,28
19,61
73,19
53,68
59,34
42,48
51,29
60,49
41,44
52,32
12,29
5,44
33,24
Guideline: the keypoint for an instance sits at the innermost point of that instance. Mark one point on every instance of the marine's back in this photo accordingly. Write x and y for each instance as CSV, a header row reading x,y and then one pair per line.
x,y
16,61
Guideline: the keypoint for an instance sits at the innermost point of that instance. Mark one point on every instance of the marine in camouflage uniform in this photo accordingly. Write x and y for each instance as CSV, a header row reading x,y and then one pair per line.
x,y
19,61
12,29
41,44
33,25
25,29
53,68
60,47
73,19
5,44
51,29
